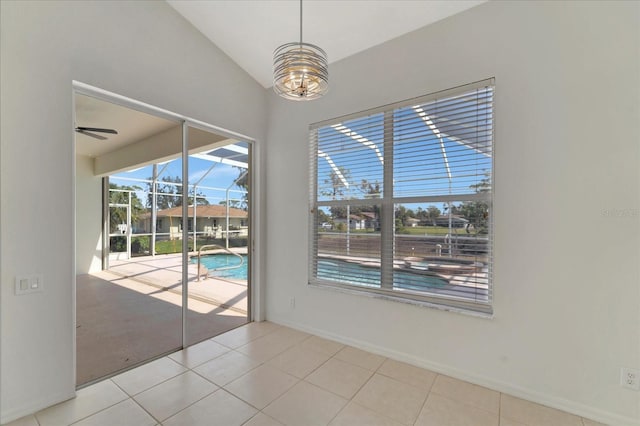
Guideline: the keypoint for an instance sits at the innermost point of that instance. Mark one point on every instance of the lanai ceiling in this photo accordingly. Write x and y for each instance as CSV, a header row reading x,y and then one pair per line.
x,y
136,127
131,125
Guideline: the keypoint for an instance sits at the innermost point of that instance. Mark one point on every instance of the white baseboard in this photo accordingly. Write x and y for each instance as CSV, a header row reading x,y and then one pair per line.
x,y
14,413
569,406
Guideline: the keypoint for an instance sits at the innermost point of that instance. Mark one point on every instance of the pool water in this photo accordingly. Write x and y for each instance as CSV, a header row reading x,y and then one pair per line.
x,y
327,269
353,273
214,261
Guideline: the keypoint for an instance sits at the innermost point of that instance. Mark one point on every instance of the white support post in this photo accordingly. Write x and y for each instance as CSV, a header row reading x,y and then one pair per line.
x,y
154,209
193,223
227,219
185,232
242,175
348,229
129,227
195,203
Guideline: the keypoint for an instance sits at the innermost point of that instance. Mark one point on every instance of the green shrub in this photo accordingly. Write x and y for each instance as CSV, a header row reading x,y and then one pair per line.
x,y
140,245
118,244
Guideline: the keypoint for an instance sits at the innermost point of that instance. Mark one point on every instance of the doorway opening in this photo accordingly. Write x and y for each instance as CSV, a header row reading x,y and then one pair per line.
x,y
163,215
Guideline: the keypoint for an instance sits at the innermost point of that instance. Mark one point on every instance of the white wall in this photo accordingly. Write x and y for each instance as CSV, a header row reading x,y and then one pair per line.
x,y
567,312
88,217
142,50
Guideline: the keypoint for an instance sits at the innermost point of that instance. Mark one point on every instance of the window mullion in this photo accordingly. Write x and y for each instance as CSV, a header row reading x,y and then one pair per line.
x,y
388,216
313,201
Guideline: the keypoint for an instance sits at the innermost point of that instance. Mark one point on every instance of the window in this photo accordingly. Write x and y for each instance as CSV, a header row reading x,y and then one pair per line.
x,y
401,199
189,224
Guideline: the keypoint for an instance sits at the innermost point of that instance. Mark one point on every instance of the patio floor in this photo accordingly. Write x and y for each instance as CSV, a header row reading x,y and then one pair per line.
x,y
132,313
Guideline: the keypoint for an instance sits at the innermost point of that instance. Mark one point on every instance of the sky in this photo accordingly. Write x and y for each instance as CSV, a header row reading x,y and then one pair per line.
x,y
437,150
213,186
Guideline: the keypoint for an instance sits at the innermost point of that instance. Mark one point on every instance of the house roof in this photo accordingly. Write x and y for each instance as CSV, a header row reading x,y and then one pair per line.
x,y
368,215
214,210
454,217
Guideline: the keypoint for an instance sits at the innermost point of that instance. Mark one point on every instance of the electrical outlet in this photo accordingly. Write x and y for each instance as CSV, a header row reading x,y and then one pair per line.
x,y
630,378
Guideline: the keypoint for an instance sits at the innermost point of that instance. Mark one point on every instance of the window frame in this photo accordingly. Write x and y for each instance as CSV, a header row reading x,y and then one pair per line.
x,y
387,203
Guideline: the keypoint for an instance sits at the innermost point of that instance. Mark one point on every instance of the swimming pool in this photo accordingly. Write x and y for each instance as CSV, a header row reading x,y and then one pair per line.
x,y
353,273
214,261
335,270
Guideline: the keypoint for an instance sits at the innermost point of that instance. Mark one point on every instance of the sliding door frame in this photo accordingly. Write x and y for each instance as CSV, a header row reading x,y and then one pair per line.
x,y
254,304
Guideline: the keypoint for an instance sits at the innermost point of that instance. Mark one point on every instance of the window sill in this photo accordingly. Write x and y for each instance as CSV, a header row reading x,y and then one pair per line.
x,y
398,299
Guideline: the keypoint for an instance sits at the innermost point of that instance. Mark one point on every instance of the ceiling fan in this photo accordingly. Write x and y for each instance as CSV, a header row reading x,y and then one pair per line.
x,y
92,131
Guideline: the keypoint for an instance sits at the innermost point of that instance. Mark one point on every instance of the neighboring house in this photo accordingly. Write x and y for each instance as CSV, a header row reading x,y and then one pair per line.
x,y
456,221
371,220
355,222
412,222
210,221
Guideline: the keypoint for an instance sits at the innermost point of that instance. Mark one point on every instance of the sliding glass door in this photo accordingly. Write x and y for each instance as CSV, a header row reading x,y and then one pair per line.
x,y
128,292
175,237
218,227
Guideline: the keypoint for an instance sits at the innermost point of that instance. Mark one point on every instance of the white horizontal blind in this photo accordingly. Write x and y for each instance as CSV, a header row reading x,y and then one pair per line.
x,y
401,200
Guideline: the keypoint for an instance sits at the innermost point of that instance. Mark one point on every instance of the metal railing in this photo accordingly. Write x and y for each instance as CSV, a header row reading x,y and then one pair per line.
x,y
223,268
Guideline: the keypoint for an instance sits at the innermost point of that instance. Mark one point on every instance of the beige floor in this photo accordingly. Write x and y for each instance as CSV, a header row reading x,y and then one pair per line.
x,y
133,312
122,322
265,374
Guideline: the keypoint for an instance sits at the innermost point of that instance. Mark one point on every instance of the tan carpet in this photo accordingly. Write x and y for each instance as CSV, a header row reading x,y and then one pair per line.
x,y
121,323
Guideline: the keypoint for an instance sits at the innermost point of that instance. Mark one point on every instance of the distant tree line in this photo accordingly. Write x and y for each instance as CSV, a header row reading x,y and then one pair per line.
x,y
476,212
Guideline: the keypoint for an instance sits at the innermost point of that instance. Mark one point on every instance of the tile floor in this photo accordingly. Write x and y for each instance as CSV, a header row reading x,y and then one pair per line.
x,y
263,374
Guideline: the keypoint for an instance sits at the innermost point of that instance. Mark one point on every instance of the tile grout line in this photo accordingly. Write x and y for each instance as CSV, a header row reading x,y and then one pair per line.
x,y
188,406
99,411
137,403
308,374
424,403
250,404
204,362
155,385
219,388
350,400
132,397
304,379
465,403
189,369
245,373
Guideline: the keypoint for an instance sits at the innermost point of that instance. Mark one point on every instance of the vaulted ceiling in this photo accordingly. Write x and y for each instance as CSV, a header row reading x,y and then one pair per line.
x,y
249,31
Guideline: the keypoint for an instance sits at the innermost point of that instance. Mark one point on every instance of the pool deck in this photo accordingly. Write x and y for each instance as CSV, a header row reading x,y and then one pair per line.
x,y
165,272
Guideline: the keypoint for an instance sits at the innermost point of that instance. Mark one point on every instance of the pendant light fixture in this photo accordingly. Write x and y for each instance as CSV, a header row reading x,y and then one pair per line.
x,y
300,70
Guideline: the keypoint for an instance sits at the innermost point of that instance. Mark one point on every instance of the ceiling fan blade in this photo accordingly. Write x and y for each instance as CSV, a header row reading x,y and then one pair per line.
x,y
93,135
97,129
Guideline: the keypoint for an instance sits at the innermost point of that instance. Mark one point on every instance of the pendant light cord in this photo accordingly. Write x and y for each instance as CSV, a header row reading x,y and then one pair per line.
x,y
301,23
